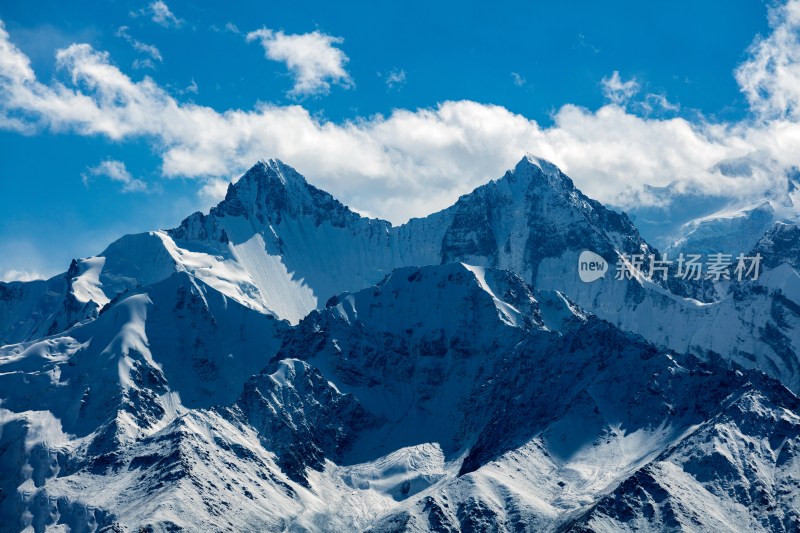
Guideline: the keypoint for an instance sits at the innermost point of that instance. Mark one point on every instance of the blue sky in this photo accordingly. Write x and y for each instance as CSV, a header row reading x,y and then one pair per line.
x,y
119,117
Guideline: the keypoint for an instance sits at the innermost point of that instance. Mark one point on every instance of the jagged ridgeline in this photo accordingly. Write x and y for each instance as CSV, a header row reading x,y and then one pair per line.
x,y
285,364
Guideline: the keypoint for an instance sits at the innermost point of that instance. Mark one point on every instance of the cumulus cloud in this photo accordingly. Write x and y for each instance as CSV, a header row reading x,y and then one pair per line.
x,y
410,162
770,78
115,171
312,59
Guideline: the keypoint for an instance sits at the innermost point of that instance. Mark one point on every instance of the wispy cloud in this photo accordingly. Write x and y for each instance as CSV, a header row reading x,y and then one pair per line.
x,y
20,275
584,43
312,59
212,191
518,80
117,172
394,79
192,88
143,48
229,27
143,63
412,162
619,92
657,103
631,94
160,13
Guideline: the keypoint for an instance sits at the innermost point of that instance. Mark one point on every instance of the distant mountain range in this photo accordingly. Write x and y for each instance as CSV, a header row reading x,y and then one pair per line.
x,y
283,363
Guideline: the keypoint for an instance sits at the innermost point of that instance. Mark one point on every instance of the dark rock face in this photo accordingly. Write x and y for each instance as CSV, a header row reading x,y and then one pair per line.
x,y
301,417
781,244
673,492
557,216
271,190
529,383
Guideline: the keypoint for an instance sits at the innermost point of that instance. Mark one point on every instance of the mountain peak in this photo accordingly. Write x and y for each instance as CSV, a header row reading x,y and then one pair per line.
x,y
535,172
271,171
530,160
271,189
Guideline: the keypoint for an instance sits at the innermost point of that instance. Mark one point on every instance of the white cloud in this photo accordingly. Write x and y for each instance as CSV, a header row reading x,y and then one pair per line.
x,y
312,59
654,102
410,162
161,14
519,81
191,88
229,27
213,191
619,92
147,49
115,171
770,78
141,64
395,78
20,275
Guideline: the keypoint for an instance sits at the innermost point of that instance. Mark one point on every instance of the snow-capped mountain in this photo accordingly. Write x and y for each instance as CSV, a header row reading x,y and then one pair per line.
x,y
283,363
691,221
278,245
448,397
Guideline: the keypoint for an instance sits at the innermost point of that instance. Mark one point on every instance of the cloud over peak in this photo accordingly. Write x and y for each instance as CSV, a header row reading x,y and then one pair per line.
x,y
413,162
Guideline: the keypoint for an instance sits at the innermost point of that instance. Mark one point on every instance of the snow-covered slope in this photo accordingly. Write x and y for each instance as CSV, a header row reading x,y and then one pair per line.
x,y
732,230
278,245
172,382
30,310
73,400
449,397
743,460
